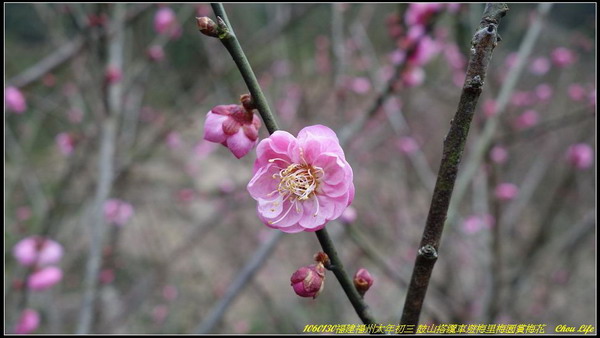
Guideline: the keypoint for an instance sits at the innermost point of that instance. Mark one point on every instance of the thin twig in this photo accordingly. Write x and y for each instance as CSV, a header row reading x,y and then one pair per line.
x,y
106,175
482,46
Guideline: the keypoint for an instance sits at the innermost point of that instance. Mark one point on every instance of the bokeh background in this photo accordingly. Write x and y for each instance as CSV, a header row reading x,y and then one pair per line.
x,y
520,247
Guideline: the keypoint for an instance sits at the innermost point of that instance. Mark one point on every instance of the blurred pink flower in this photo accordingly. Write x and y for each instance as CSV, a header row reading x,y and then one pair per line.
x,y
75,115
186,195
107,276
476,223
308,281
234,127
14,100
528,119
160,313
204,148
489,108
543,92
511,60
360,85
580,156
522,99
28,322
363,280
66,143
419,13
112,75
499,154
164,20
413,77
576,92
540,66
117,212
453,55
425,50
301,183
397,56
44,278
173,140
506,191
155,53
37,250
563,57
407,145
349,215
170,292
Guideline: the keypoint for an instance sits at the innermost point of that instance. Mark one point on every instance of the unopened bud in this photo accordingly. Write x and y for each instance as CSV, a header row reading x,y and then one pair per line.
x,y
363,281
321,257
308,281
207,26
247,102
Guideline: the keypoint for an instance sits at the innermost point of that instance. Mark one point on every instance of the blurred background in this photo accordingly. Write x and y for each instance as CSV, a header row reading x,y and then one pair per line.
x,y
120,218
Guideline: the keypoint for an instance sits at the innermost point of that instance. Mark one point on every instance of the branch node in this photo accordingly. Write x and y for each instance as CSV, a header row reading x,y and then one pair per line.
x,y
428,252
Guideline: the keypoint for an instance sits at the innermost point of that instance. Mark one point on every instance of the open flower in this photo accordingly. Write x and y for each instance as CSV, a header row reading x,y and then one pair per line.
x,y
37,250
14,100
301,183
28,322
234,127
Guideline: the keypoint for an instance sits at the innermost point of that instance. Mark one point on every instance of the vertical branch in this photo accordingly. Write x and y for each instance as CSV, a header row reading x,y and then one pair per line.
x,y
482,45
112,99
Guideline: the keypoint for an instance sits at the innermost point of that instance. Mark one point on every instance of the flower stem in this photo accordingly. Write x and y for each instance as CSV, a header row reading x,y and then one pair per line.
x,y
229,40
482,46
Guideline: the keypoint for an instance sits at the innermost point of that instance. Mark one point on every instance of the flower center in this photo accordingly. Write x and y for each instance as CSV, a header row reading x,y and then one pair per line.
x,y
299,180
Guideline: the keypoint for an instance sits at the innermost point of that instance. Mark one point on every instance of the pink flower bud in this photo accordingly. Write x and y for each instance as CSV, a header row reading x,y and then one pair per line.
x,y
576,92
112,75
156,53
563,57
14,100
37,250
363,281
308,281
107,276
580,156
207,26
234,127
117,212
413,77
506,191
66,143
528,119
28,322
543,92
164,20
44,278
360,85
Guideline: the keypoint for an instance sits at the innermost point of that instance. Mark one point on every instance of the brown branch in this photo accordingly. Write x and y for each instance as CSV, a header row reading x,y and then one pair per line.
x,y
482,45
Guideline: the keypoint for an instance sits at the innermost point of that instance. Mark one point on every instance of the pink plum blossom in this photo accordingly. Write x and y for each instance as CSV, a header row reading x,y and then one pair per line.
x,y
164,20
499,154
576,92
543,92
349,215
506,191
426,49
234,127
363,280
44,278
301,183
308,281
528,119
360,85
407,145
117,211
580,156
563,57
476,223
28,322
14,100
413,77
37,250
540,66
419,13
155,53
66,143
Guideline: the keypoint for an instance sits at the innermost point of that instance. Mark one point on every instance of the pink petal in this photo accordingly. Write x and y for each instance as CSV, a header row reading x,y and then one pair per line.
x,y
239,144
213,128
263,183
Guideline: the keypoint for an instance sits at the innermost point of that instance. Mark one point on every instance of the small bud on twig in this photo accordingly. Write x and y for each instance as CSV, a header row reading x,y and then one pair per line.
x,y
363,281
207,26
247,102
322,257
